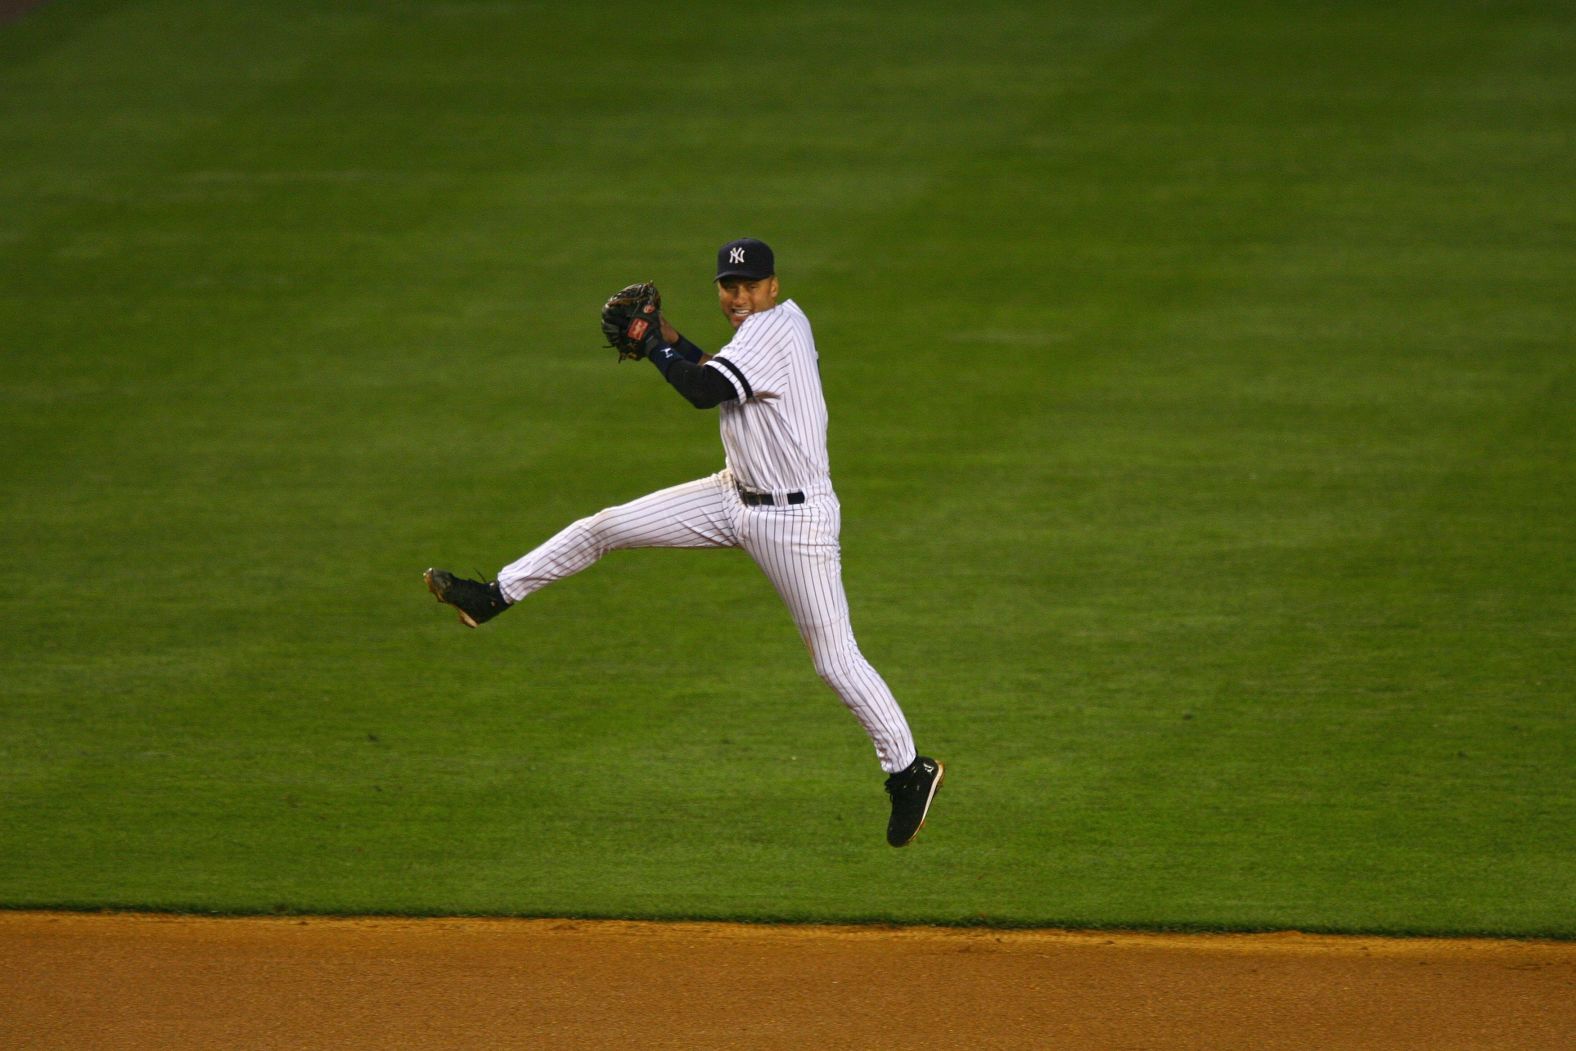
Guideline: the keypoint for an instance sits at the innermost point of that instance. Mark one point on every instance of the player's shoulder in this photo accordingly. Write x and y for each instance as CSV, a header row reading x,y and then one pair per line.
x,y
794,313
785,321
782,326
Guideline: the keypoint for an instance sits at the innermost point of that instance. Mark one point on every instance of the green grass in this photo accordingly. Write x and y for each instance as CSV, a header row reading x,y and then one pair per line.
x,y
1202,388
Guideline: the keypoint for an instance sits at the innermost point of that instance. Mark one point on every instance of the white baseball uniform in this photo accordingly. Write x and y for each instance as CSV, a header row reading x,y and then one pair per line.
x,y
776,451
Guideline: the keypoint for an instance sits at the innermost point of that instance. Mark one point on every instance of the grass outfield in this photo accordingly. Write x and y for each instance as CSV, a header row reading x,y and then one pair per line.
x,y
1201,384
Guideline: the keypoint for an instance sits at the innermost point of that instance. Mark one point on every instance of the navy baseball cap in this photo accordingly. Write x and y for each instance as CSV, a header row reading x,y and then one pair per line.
x,y
747,258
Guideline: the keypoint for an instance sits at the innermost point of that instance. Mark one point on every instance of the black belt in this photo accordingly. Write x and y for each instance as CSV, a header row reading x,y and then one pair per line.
x,y
767,499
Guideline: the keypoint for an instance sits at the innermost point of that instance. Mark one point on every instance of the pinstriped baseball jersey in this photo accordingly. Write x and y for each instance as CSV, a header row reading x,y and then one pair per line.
x,y
775,444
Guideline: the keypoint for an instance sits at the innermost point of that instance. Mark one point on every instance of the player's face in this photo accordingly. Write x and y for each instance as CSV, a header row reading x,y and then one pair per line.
x,y
740,297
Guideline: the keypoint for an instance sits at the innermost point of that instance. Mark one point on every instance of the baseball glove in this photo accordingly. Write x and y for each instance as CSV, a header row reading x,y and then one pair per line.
x,y
632,321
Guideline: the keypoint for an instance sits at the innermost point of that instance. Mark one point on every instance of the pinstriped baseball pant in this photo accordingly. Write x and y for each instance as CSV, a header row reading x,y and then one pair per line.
x,y
797,548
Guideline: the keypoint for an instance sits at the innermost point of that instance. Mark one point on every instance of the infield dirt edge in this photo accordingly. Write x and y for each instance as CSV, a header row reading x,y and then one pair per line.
x,y
150,980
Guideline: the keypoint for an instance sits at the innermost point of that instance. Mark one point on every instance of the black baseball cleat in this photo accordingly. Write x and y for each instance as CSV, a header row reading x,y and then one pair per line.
x,y
911,790
476,602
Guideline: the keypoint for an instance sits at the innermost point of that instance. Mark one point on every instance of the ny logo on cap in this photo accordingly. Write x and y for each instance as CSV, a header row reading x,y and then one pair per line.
x,y
736,255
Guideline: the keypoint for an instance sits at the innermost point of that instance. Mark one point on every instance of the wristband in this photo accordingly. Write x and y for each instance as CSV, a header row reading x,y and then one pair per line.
x,y
662,358
688,351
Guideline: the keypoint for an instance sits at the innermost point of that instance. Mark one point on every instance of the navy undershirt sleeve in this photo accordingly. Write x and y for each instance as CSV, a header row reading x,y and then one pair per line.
x,y
702,387
688,351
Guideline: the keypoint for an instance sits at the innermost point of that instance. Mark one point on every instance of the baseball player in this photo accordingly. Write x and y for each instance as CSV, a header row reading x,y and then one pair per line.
x,y
774,498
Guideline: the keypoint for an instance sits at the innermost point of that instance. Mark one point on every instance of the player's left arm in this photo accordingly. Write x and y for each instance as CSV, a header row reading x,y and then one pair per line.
x,y
683,364
702,387
686,350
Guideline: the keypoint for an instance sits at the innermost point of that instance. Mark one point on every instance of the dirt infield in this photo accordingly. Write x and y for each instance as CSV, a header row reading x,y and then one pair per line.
x,y
131,981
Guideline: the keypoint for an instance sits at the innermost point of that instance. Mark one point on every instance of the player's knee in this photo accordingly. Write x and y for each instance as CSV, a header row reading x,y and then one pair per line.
x,y
613,528
595,533
835,659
